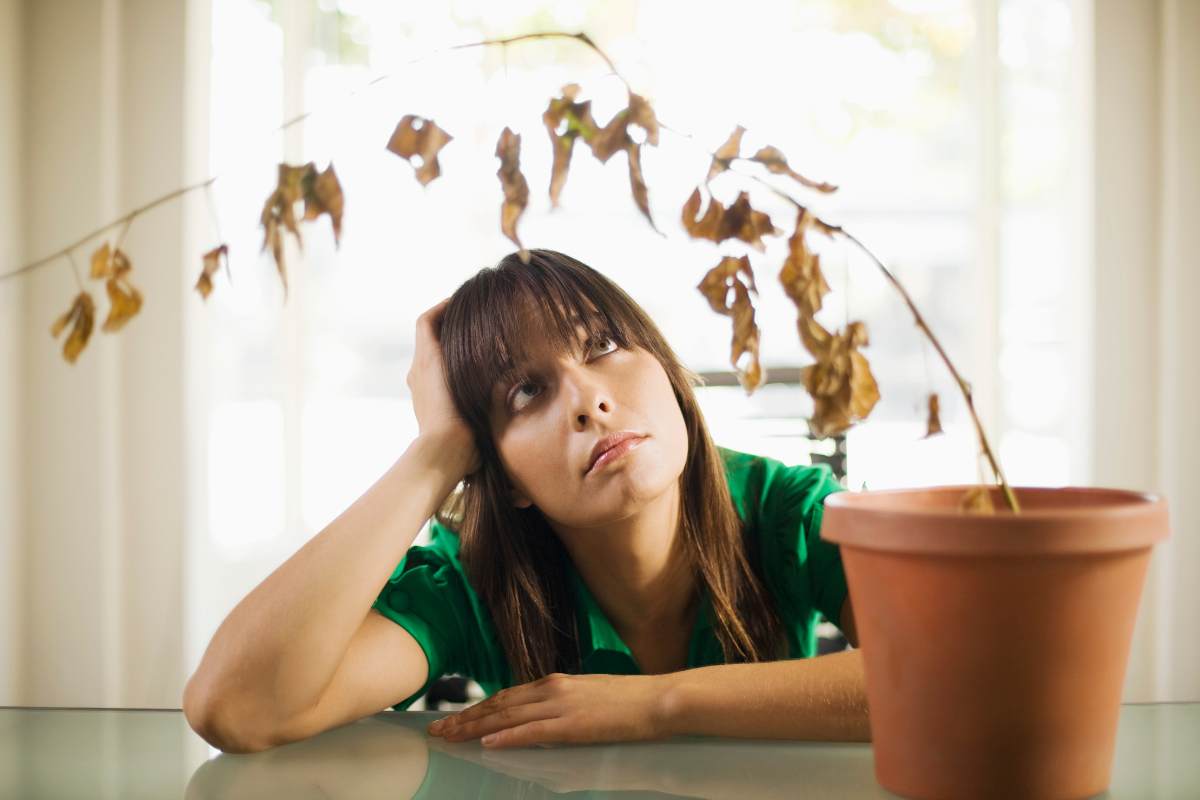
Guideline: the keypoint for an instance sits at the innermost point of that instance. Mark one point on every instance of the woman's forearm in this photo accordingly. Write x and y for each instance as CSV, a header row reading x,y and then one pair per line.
x,y
814,699
279,647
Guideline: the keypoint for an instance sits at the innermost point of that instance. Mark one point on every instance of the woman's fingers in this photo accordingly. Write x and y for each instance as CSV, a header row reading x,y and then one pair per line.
x,y
508,717
513,695
530,733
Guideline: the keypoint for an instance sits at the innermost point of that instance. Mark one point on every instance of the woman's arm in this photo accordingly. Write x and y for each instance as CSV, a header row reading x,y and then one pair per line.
x,y
812,699
277,650
822,699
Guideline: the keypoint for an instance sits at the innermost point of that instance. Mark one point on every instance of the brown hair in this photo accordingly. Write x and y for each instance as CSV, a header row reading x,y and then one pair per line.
x,y
513,558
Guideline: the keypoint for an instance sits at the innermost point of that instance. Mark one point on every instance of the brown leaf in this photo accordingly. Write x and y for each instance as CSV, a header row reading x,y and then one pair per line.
x,y
775,161
80,316
516,189
323,195
977,500
739,221
637,182
801,274
124,299
279,214
106,262
426,141
736,274
101,262
212,262
725,154
934,423
841,384
642,115
603,141
579,118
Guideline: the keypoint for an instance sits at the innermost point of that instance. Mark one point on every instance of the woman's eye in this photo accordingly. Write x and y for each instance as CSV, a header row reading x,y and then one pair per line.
x,y
610,340
517,390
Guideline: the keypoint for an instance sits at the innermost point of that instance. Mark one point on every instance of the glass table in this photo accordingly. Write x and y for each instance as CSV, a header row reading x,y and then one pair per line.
x,y
141,753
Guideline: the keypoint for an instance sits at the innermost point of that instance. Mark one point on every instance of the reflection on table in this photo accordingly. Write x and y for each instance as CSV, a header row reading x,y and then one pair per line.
x,y
119,753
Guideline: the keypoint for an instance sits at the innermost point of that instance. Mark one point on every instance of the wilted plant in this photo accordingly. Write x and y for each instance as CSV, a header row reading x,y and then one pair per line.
x,y
840,381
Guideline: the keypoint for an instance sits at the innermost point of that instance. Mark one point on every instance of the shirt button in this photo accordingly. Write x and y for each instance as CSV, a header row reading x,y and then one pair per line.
x,y
398,601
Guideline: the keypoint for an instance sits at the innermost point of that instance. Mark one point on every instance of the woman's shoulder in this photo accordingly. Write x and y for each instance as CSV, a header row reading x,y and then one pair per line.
x,y
771,488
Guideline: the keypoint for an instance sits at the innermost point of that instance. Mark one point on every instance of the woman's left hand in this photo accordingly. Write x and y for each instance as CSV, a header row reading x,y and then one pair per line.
x,y
564,708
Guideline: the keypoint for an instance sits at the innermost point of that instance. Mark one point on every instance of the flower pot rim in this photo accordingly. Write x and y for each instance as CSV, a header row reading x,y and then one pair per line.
x,y
1053,521
1133,501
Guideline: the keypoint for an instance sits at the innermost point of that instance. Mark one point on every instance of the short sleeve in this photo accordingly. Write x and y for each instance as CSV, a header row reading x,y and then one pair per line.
x,y
807,568
423,596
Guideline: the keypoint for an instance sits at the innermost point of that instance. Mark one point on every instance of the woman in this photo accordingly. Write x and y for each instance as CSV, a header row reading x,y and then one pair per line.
x,y
606,572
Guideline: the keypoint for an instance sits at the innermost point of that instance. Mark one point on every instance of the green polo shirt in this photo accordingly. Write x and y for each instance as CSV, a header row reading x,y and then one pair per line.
x,y
430,596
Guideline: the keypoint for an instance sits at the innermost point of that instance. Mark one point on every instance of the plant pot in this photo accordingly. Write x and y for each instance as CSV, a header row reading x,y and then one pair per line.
x,y
995,646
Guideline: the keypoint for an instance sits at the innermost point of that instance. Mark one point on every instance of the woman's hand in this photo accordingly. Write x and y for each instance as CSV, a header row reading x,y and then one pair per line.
x,y
564,708
437,418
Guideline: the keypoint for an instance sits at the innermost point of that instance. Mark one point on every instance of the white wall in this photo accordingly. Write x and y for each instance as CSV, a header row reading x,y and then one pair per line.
x,y
105,132
12,353
1145,151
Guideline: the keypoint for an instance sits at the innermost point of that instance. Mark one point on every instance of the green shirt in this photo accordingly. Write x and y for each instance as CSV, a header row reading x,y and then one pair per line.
x,y
430,596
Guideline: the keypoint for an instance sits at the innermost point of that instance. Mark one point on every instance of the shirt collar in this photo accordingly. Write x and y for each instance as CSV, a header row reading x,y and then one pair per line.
x,y
595,629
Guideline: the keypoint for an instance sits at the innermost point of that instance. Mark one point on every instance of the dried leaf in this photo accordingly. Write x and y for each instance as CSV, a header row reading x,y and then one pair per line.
x,y
516,189
934,423
774,160
323,195
736,274
579,118
725,154
739,221
124,299
801,274
107,262
212,262
642,115
279,210
80,316
101,262
604,141
637,183
977,500
124,302
417,136
841,384
614,137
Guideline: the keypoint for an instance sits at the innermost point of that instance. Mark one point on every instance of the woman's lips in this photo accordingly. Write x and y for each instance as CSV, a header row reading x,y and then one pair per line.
x,y
616,452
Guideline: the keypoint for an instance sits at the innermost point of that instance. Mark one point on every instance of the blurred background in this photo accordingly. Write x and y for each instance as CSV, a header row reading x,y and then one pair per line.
x,y
1028,169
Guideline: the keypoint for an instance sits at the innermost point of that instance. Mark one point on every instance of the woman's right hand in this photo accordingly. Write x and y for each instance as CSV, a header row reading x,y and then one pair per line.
x,y
437,418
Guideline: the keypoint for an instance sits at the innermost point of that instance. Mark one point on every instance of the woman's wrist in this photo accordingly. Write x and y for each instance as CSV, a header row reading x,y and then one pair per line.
x,y
446,455
668,710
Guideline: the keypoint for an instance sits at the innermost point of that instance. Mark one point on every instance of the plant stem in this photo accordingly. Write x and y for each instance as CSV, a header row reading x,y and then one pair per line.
x,y
127,219
963,386
583,37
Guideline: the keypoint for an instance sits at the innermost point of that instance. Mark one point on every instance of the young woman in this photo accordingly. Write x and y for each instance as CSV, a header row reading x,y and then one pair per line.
x,y
606,572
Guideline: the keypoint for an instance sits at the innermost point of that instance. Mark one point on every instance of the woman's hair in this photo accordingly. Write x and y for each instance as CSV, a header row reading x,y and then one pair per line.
x,y
512,556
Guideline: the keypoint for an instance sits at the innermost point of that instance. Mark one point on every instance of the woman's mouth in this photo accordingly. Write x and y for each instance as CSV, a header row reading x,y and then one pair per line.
x,y
613,453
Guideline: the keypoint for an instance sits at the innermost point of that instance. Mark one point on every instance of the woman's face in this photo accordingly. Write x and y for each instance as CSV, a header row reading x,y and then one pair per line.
x,y
545,429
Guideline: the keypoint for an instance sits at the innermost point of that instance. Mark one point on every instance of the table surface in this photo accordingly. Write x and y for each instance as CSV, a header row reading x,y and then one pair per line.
x,y
136,753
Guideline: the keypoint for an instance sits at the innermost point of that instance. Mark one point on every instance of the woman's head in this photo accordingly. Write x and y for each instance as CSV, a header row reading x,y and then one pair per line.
x,y
542,359
545,358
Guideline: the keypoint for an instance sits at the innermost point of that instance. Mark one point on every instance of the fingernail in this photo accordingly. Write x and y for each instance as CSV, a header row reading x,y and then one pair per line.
x,y
491,737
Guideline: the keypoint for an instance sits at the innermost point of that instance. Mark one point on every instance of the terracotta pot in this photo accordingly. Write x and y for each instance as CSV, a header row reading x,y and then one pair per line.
x,y
995,647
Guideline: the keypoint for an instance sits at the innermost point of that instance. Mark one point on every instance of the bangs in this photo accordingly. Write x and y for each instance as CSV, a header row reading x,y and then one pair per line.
x,y
510,310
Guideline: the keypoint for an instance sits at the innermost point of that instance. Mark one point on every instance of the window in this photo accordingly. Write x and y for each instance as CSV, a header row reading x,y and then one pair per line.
x,y
944,121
